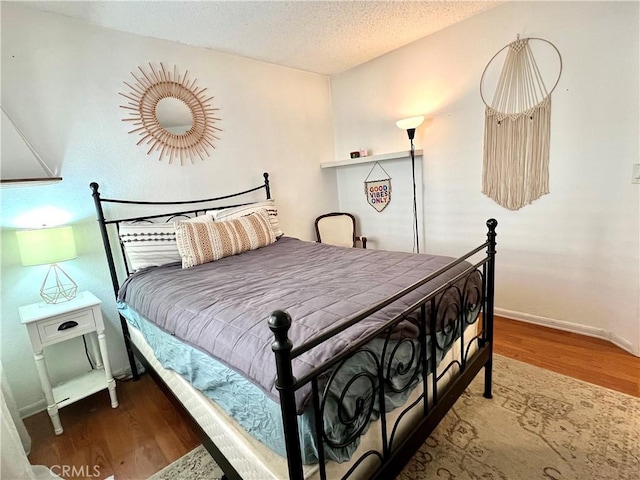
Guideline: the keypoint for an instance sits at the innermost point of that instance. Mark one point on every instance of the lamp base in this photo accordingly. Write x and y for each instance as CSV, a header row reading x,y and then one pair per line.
x,y
58,286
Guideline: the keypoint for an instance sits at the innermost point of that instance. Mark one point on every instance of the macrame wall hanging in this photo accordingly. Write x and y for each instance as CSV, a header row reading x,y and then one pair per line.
x,y
517,128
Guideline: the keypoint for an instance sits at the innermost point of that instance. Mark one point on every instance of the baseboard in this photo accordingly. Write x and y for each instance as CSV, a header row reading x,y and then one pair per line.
x,y
32,408
41,405
600,333
623,343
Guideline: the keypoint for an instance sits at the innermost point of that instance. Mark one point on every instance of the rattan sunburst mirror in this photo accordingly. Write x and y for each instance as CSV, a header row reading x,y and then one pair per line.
x,y
172,114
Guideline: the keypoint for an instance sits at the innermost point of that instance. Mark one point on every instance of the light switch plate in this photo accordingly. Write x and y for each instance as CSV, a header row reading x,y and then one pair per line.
x,y
636,173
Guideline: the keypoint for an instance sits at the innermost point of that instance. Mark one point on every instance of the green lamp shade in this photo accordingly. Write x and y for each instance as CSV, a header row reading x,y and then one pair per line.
x,y
44,246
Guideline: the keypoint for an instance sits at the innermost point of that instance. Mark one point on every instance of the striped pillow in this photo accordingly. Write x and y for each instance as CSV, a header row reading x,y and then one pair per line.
x,y
149,244
200,243
237,212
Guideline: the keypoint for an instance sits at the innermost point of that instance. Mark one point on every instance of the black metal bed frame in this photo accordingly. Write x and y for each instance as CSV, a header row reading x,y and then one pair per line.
x,y
448,309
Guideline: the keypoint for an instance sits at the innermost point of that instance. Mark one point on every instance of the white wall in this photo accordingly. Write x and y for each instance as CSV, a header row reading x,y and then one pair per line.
x,y
571,259
60,83
391,229
572,256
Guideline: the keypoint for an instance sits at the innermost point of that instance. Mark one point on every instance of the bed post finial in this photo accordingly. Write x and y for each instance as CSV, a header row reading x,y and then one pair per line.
x,y
279,323
492,223
487,317
266,186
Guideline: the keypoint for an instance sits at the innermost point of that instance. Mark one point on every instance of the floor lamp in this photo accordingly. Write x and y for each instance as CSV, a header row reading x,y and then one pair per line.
x,y
410,125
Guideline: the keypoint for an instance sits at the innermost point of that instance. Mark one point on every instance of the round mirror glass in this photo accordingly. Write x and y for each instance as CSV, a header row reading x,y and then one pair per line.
x,y
174,115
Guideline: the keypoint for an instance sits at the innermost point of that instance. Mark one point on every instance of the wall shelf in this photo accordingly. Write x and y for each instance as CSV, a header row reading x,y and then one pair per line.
x,y
26,182
370,159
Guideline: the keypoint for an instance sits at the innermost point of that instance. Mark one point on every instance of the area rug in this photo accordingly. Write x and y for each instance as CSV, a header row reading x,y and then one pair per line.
x,y
539,425
195,465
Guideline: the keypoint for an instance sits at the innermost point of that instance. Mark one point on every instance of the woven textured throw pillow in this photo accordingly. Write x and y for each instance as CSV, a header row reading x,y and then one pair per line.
x,y
200,243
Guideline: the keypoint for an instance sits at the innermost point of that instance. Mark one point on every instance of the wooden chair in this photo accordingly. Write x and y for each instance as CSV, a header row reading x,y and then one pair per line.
x,y
338,229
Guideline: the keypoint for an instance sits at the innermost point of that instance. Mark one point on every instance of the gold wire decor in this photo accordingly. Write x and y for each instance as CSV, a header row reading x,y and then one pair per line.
x,y
147,91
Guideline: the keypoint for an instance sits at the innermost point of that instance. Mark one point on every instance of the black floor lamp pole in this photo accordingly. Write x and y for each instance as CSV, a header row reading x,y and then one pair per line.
x,y
411,132
410,125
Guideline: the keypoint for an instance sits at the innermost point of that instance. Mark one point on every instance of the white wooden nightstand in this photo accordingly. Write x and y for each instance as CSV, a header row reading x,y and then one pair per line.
x,y
49,324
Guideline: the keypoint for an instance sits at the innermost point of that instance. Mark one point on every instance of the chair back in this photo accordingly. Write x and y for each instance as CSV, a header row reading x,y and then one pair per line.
x,y
336,229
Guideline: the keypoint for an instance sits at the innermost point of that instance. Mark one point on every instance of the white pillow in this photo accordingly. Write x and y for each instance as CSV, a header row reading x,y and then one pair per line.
x,y
244,210
152,244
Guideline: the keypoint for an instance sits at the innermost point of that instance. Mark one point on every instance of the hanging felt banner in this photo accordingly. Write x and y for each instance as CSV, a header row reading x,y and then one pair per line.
x,y
378,192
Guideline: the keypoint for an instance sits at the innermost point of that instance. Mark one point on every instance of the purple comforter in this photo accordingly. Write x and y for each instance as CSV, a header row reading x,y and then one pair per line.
x,y
222,307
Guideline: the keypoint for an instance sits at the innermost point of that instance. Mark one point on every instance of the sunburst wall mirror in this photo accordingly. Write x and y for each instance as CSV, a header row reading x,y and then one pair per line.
x,y
171,114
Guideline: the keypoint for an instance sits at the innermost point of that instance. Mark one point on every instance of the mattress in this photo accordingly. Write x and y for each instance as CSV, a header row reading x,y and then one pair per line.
x,y
251,458
257,413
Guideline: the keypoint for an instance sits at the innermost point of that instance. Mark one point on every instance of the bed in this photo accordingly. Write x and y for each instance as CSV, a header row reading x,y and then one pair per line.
x,y
296,359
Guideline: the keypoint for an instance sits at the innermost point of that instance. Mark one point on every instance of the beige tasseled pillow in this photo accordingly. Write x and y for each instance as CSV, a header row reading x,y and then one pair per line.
x,y
200,243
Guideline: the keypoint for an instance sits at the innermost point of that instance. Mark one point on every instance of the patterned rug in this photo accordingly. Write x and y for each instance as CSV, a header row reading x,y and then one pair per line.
x,y
539,425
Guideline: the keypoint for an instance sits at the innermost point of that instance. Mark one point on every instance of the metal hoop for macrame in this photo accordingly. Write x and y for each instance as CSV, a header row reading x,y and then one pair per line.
x,y
517,128
507,46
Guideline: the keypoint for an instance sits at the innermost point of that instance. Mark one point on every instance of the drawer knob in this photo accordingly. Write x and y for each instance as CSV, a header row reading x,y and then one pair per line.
x,y
67,325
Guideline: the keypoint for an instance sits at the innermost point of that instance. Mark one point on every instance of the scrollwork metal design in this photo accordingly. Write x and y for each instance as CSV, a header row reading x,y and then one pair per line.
x,y
399,362
473,296
403,363
448,314
351,423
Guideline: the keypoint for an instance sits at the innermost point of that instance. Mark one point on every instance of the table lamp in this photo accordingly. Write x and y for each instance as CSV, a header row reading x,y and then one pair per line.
x,y
49,246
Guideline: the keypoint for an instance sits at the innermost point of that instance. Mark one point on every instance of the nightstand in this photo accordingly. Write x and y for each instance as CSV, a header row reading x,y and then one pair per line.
x,y
49,324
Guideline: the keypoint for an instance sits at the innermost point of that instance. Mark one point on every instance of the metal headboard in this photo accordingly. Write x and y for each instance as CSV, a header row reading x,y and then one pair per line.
x,y
103,222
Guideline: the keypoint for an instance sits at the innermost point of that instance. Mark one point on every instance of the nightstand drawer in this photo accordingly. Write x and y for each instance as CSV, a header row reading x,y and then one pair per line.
x,y
53,329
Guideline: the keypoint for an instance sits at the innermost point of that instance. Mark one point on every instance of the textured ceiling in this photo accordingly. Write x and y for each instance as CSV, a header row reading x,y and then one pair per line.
x,y
323,37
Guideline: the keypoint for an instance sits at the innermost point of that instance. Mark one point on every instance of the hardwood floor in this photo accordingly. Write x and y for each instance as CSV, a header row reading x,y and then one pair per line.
x,y
146,433
135,440
578,356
